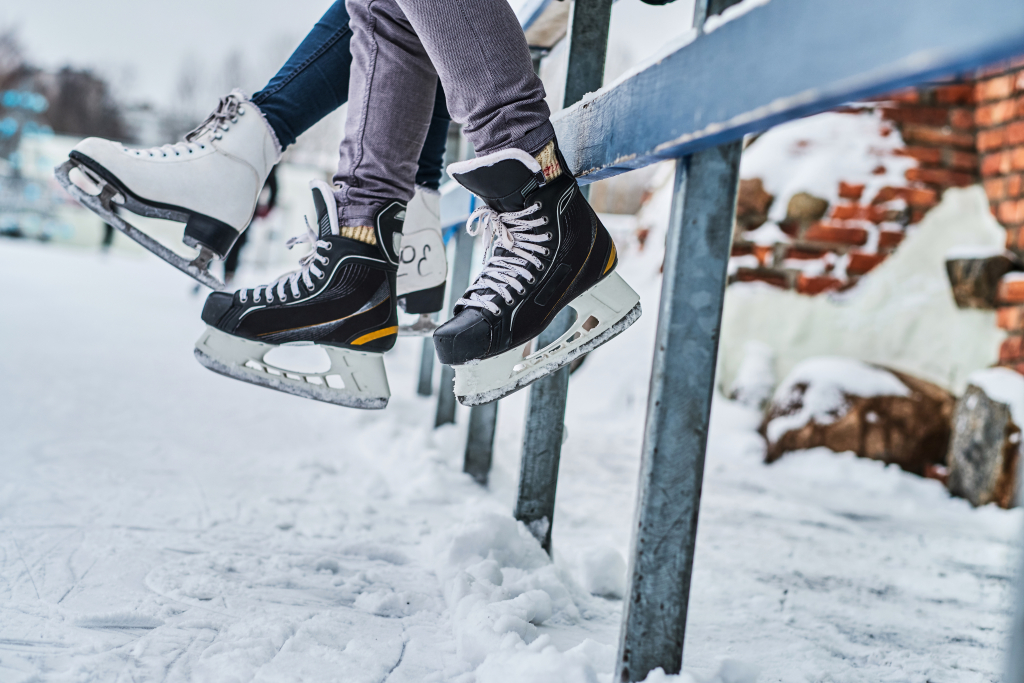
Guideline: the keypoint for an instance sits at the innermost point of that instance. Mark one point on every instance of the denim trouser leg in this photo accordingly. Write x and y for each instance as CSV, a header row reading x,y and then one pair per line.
x,y
314,82
480,53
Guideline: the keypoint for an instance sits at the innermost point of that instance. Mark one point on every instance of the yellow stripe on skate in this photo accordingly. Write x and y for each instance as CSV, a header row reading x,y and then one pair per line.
x,y
611,260
370,336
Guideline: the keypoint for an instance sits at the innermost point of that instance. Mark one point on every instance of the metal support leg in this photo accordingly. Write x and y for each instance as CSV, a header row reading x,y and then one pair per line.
x,y
542,442
461,267
678,410
480,441
588,47
425,387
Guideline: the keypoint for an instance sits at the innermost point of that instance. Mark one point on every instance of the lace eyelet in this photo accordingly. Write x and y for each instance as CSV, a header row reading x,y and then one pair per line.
x,y
531,280
547,235
538,205
540,268
546,220
321,276
329,247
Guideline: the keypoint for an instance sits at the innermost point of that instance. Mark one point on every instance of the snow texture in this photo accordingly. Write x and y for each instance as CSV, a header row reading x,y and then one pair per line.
x,y
733,12
817,389
1005,386
755,379
976,252
160,522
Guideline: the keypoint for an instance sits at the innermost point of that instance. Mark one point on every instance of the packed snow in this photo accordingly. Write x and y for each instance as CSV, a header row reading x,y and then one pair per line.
x,y
160,522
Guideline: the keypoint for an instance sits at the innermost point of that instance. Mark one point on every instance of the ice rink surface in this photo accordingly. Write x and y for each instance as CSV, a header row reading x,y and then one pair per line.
x,y
160,522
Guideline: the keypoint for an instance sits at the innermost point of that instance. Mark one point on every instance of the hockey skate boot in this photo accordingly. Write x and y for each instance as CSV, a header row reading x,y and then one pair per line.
x,y
210,182
422,267
547,250
320,331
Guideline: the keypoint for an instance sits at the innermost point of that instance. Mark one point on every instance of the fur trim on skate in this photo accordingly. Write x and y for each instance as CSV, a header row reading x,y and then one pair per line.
x,y
493,158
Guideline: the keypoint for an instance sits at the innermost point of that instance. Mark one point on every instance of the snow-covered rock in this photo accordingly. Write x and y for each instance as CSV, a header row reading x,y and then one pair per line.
x,y
847,405
984,453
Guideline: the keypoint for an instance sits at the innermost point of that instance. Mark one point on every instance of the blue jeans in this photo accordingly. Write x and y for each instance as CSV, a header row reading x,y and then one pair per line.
x,y
315,81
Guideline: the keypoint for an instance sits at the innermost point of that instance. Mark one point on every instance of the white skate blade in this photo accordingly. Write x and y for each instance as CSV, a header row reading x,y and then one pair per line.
x,y
99,204
602,312
355,379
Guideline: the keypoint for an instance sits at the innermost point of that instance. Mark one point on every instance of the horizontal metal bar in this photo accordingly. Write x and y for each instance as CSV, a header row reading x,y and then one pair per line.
x,y
780,61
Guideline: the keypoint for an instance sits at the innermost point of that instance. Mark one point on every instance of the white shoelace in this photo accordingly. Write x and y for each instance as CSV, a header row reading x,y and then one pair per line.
x,y
508,231
227,112
309,266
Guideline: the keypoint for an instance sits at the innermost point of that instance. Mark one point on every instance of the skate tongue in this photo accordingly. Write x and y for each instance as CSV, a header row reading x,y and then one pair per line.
x,y
502,179
326,208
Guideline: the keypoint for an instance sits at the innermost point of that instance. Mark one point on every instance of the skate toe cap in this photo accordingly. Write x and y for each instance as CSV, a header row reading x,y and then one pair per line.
x,y
99,149
465,337
217,305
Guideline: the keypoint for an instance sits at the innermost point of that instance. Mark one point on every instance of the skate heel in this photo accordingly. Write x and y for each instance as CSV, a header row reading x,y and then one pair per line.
x,y
216,236
356,379
602,312
429,300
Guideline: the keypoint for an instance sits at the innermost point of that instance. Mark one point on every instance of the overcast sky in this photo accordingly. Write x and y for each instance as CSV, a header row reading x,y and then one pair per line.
x,y
143,46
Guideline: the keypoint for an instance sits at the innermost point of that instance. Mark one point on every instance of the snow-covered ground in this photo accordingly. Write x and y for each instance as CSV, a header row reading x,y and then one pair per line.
x,y
160,522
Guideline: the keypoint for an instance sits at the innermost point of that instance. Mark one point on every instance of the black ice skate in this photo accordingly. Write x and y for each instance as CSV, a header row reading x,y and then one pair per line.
x,y
548,251
211,182
342,302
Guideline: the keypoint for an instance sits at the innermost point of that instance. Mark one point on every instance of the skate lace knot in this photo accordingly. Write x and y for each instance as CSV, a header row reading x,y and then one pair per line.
x,y
227,112
291,280
512,232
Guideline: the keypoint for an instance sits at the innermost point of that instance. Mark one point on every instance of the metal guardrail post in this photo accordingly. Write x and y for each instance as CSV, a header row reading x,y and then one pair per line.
x,y
461,267
480,441
678,411
425,385
545,413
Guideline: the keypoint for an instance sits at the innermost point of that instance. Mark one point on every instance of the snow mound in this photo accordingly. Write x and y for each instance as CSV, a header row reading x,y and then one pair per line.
x,y
817,388
1005,386
500,585
730,671
755,378
603,572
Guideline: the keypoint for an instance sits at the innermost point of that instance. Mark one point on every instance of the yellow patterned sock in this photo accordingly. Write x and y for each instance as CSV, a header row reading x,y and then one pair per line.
x,y
359,233
548,161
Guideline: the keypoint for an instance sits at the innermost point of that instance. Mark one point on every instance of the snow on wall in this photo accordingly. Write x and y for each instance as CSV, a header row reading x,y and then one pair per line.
x,y
902,314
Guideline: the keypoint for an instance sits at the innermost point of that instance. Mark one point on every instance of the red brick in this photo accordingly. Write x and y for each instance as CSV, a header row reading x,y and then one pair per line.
x,y
826,232
887,239
850,190
921,197
763,254
1015,133
999,163
940,176
908,96
995,114
1011,211
862,263
1015,186
1013,235
1020,107
858,212
776,280
930,135
745,249
928,116
1011,291
956,93
816,285
917,215
961,118
962,161
1017,159
1010,318
805,253
997,88
926,155
995,188
1011,350
989,140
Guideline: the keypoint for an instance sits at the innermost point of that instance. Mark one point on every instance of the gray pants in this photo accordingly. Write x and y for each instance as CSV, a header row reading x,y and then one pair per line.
x,y
399,49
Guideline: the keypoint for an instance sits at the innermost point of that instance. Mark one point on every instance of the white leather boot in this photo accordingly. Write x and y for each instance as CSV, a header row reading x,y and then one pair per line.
x,y
422,266
210,181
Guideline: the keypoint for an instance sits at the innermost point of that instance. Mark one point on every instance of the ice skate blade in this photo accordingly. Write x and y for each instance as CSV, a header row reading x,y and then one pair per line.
x,y
423,327
611,303
356,379
101,206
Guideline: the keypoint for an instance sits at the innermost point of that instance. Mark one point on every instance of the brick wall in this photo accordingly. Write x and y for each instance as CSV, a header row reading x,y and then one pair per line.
x,y
999,117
